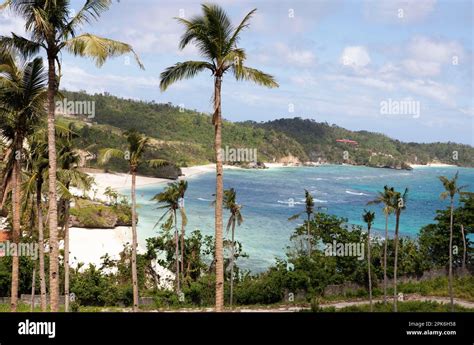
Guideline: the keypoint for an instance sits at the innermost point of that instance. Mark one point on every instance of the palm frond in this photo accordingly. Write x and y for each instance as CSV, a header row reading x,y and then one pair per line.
x,y
156,163
19,45
254,75
295,216
243,24
99,48
105,155
91,10
182,70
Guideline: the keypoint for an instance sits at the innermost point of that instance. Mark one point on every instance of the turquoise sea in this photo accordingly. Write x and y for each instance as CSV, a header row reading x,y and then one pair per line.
x,y
270,196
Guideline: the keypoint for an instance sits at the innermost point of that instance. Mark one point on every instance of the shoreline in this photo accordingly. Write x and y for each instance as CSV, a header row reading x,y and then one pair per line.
x,y
88,245
433,165
122,181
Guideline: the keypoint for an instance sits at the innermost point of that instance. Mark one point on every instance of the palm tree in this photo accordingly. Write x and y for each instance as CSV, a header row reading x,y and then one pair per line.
x,y
22,96
53,29
399,204
309,210
69,175
369,219
37,166
182,187
169,200
216,39
385,198
230,204
451,189
137,145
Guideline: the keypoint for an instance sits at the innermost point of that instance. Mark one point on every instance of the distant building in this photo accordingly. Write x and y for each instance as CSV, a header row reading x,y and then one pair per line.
x,y
347,141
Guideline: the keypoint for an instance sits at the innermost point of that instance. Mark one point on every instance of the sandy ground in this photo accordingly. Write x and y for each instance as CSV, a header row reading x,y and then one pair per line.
x,y
87,246
432,165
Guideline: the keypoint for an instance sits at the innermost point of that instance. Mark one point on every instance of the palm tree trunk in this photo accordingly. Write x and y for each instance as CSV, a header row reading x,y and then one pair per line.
x,y
41,247
232,265
16,228
385,262
395,297
465,249
219,255
66,256
176,253
309,236
182,243
134,243
451,255
33,288
369,264
53,207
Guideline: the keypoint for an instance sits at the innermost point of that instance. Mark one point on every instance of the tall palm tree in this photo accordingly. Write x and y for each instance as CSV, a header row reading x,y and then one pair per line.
x,y
230,203
69,175
137,145
182,187
309,210
385,198
53,29
216,39
169,200
369,219
399,204
22,97
451,190
37,167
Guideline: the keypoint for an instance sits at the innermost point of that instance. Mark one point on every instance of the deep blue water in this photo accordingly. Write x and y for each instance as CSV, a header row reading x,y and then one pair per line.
x,y
266,196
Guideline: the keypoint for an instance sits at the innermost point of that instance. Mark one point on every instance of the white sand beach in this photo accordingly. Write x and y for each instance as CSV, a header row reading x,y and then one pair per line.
x,y
88,246
431,165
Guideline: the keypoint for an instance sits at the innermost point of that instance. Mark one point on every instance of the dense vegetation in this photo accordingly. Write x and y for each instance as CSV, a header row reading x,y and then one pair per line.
x,y
184,137
306,277
373,149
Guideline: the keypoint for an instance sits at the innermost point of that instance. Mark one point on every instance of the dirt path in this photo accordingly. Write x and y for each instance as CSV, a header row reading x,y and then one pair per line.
x,y
336,305
344,304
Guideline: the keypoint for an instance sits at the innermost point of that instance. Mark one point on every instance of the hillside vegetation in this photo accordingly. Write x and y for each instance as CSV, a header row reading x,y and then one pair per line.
x,y
372,149
185,137
182,136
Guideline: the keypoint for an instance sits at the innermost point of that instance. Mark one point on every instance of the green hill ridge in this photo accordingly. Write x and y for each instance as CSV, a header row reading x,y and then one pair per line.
x,y
185,137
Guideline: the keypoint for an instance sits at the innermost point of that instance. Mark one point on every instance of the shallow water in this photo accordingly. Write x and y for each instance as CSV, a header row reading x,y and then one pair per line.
x,y
270,196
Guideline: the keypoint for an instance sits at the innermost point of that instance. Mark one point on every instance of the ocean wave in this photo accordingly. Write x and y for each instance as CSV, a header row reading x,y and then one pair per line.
x,y
202,199
314,199
315,191
355,193
290,202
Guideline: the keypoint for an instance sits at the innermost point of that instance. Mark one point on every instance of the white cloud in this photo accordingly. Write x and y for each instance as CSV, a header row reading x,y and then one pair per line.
x,y
304,80
426,49
443,93
293,56
426,56
355,56
10,23
78,79
421,68
398,11
372,82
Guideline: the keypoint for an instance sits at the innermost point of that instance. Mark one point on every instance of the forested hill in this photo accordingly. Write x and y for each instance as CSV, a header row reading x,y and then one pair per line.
x,y
182,136
185,137
320,141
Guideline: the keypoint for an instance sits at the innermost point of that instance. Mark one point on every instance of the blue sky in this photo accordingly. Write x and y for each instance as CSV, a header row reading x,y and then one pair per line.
x,y
335,61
